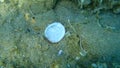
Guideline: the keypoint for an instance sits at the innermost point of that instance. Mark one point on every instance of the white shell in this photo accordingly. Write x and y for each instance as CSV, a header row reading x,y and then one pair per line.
x,y
55,32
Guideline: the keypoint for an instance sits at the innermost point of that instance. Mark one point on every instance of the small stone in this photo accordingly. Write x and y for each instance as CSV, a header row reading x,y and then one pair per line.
x,y
60,52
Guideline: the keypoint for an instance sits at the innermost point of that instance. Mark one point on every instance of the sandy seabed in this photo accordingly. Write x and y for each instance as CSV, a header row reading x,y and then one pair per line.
x,y
92,40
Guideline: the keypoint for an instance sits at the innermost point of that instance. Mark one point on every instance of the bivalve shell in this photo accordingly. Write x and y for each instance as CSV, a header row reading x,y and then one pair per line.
x,y
55,32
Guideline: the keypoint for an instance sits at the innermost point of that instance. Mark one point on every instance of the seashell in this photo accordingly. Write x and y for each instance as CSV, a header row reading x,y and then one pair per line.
x,y
55,32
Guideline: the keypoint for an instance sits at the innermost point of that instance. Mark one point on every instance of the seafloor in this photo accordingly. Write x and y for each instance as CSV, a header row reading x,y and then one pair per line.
x,y
92,38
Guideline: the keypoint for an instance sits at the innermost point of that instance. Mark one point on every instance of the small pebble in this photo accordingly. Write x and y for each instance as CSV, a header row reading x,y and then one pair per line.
x,y
60,52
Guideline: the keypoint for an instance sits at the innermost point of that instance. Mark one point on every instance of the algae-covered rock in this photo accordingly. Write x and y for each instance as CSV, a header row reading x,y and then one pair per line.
x,y
73,45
